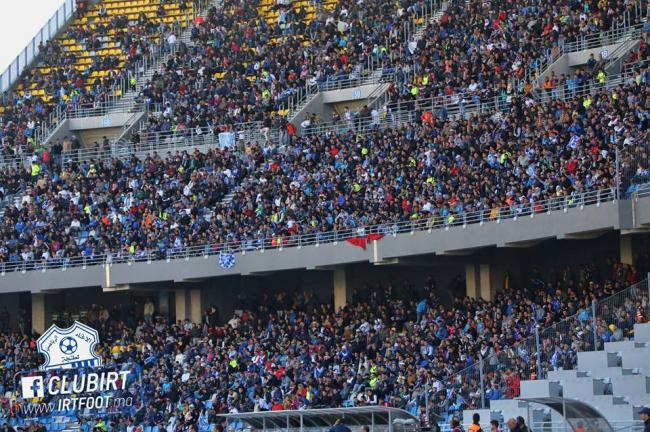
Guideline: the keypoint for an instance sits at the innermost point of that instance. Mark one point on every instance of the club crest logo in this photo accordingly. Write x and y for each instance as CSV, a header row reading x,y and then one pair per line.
x,y
69,348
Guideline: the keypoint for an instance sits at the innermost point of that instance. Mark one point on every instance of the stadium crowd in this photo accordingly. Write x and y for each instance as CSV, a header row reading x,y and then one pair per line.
x,y
486,49
67,84
389,346
243,69
434,170
233,73
212,91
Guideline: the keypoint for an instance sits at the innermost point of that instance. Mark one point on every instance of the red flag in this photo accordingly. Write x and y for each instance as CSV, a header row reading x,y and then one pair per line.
x,y
358,241
363,241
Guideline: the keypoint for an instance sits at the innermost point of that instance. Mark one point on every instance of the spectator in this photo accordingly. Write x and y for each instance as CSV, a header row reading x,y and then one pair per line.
x,y
644,413
521,424
339,426
148,312
455,424
476,425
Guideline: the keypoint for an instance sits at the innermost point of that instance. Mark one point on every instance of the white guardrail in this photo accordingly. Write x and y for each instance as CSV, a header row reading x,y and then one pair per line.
x,y
429,223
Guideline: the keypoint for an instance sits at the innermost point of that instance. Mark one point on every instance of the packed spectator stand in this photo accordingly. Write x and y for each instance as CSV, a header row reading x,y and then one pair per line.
x,y
247,60
97,58
325,41
505,47
444,61
392,344
434,170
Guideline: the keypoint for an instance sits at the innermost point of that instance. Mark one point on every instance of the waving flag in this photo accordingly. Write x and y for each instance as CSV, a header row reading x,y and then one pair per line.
x,y
226,260
363,241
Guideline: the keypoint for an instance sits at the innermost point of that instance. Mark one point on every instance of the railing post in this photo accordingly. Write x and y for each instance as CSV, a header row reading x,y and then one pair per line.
x,y
539,352
480,375
647,283
426,398
618,174
593,323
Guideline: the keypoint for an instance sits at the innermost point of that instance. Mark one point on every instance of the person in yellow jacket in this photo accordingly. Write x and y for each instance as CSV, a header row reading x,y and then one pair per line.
x,y
36,169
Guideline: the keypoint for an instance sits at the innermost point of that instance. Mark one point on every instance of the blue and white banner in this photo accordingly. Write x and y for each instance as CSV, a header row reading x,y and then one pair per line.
x,y
226,260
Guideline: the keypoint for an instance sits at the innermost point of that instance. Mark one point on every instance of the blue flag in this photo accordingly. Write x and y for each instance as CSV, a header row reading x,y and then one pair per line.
x,y
226,260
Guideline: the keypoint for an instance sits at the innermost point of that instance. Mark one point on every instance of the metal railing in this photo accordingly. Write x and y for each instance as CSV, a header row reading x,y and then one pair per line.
x,y
415,23
315,239
604,38
101,109
550,426
554,347
378,76
25,58
558,426
398,113
150,59
391,115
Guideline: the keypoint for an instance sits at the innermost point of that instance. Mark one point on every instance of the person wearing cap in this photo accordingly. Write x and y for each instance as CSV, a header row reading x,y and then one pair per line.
x,y
645,417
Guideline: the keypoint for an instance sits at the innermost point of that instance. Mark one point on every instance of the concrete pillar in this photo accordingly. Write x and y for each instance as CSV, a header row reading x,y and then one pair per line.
x,y
163,303
485,282
471,287
340,289
181,305
196,307
38,312
627,249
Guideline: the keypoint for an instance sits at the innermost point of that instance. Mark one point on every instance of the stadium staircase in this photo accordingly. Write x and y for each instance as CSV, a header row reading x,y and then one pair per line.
x,y
615,381
373,75
129,97
123,98
83,56
617,43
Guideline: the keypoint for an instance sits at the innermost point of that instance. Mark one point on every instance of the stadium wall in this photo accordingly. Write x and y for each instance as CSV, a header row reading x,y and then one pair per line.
x,y
494,268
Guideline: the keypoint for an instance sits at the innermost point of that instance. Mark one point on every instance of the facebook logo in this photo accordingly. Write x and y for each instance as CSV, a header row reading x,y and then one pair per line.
x,y
32,387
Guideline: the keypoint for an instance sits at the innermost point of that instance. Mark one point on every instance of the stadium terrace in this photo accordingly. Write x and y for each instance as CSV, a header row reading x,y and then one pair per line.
x,y
432,214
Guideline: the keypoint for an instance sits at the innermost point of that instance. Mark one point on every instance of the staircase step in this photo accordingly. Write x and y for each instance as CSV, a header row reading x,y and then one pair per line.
x,y
580,387
642,333
559,375
589,360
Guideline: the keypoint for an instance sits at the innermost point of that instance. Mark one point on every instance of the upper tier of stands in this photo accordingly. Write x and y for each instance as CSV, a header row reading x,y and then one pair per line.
x,y
248,60
94,59
499,57
437,169
244,59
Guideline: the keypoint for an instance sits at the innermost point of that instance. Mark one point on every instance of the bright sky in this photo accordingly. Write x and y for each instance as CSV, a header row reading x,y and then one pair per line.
x,y
20,20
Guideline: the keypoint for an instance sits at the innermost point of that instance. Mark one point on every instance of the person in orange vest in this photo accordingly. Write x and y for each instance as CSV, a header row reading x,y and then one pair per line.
x,y
475,426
